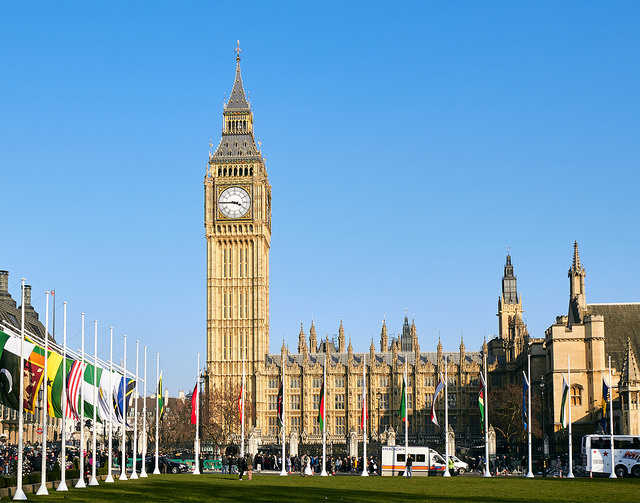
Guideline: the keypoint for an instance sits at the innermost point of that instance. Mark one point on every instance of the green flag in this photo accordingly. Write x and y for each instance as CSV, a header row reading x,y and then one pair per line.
x,y
481,406
402,412
321,409
160,398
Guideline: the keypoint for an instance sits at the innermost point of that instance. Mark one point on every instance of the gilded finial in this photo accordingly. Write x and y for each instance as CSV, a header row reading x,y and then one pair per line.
x,y
238,51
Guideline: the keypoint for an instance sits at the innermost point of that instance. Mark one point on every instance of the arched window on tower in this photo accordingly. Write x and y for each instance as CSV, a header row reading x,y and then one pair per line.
x,y
576,394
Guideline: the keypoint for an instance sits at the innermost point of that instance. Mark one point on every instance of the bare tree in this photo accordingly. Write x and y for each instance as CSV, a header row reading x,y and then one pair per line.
x,y
220,416
506,414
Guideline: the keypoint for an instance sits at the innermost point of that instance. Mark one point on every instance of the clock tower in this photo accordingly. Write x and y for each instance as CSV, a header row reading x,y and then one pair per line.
x,y
237,220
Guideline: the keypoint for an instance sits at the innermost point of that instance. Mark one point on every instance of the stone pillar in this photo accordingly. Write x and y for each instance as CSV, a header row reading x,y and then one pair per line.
x,y
451,438
293,443
253,442
391,436
492,441
353,444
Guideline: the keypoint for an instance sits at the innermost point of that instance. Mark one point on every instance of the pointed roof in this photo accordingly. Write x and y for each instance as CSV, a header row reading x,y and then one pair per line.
x,y
238,100
630,372
576,257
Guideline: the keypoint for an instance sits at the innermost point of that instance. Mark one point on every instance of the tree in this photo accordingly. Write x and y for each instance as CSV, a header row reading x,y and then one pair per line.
x,y
220,418
506,414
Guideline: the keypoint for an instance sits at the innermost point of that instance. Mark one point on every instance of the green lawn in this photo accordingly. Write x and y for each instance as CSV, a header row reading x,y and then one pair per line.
x,y
271,488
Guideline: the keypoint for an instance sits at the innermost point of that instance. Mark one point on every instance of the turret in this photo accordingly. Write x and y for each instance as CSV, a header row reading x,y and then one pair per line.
x,y
313,338
462,354
341,338
372,352
302,341
350,350
577,297
384,339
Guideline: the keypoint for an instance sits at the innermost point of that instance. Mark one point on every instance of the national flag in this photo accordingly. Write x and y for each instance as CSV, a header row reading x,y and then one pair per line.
x,y
364,414
160,399
481,406
33,375
108,382
280,405
194,405
123,396
74,384
525,387
563,406
321,408
402,411
240,411
439,388
54,362
90,391
10,369
605,402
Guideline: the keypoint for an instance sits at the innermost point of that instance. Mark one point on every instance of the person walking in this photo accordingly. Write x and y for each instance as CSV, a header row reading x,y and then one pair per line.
x,y
409,465
451,466
242,466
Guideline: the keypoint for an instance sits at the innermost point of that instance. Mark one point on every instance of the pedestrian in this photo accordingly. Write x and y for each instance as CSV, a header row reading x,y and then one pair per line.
x,y
409,465
242,466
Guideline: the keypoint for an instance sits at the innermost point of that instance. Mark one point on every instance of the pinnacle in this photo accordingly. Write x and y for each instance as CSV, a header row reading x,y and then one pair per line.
x,y
576,256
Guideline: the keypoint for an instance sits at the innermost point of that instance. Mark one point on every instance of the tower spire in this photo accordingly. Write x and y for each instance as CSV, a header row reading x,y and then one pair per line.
x,y
238,51
576,257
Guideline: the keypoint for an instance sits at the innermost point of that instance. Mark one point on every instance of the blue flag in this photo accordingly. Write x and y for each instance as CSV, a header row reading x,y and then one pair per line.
x,y
605,401
525,387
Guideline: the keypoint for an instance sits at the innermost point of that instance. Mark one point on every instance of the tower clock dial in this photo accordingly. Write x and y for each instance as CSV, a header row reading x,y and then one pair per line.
x,y
234,202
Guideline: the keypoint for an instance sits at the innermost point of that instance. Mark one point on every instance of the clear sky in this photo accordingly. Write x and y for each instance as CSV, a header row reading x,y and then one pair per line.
x,y
408,145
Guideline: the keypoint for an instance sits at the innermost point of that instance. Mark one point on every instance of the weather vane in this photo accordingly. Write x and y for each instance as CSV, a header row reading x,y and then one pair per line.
x,y
238,51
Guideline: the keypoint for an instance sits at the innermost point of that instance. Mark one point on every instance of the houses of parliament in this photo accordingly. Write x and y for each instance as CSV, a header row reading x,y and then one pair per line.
x,y
237,220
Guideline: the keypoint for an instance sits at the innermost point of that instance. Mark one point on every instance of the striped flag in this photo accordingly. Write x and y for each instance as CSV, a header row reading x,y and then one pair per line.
x,y
439,388
363,413
74,383
402,411
321,408
563,407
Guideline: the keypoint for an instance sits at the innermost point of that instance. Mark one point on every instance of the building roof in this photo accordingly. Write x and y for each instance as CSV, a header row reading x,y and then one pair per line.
x,y
10,312
237,100
621,321
386,357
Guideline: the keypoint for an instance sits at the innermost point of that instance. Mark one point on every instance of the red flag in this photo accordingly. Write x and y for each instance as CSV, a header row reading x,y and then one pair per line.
x,y
363,414
240,404
194,404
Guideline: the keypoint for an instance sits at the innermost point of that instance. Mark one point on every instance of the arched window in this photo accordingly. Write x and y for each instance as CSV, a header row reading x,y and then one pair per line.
x,y
576,394
235,171
219,171
246,170
251,171
224,171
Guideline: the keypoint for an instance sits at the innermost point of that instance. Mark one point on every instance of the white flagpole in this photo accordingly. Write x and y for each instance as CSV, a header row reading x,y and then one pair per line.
x,y
365,472
20,495
62,486
80,484
446,418
613,457
134,473
93,481
123,434
42,490
570,473
109,478
323,473
143,471
156,470
283,470
242,407
406,416
530,472
196,446
487,472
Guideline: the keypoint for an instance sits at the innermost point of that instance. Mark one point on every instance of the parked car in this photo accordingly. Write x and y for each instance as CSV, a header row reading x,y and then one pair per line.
x,y
459,465
165,465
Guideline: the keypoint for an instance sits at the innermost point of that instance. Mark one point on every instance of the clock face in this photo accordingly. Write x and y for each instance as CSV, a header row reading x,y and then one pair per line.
x,y
234,202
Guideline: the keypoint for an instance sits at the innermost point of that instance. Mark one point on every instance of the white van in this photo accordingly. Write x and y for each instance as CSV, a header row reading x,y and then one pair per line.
x,y
426,461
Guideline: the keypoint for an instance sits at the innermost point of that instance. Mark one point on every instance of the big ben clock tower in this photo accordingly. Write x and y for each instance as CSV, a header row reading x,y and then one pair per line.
x,y
237,220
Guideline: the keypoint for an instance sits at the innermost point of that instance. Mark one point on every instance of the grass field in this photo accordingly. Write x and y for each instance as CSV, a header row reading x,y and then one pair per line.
x,y
268,488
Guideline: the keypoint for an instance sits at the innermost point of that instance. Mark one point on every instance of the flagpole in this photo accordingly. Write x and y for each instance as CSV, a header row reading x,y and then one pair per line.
x,y
530,472
62,486
81,484
134,473
365,472
20,495
42,490
613,457
109,478
242,409
283,470
156,470
446,418
406,417
93,481
570,473
196,446
123,433
487,472
143,471
323,473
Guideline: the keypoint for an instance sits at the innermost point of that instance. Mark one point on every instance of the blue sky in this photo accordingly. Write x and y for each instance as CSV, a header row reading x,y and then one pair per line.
x,y
408,145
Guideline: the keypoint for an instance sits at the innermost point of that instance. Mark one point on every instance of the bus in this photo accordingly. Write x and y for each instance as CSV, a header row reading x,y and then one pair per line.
x,y
596,453
426,461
